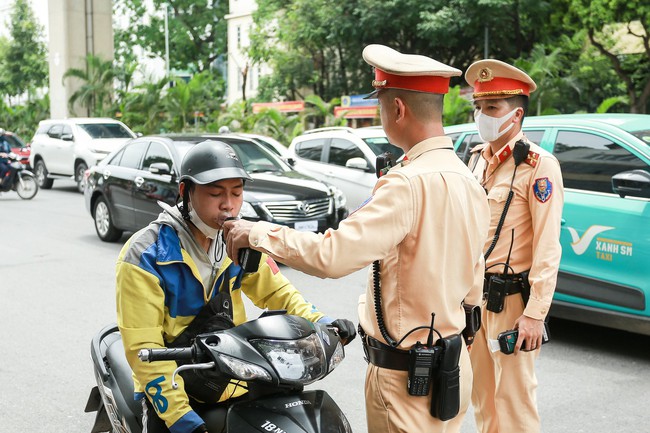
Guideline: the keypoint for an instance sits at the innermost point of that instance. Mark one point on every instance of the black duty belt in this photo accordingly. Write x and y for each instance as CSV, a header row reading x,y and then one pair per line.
x,y
385,356
515,283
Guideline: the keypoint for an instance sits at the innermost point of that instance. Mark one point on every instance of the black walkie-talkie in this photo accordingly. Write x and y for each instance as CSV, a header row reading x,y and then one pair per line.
x,y
422,360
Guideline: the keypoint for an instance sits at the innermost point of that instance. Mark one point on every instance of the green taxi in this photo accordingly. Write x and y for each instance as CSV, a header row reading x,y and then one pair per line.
x,y
604,276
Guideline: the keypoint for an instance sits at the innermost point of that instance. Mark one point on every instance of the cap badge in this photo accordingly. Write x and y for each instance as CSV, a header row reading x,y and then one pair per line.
x,y
378,83
484,75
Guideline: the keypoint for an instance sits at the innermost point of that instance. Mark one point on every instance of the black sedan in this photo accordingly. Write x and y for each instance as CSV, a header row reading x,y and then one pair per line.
x,y
123,190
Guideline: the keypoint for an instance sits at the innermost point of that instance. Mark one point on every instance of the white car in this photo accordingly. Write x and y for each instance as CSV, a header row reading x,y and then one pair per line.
x,y
343,157
66,148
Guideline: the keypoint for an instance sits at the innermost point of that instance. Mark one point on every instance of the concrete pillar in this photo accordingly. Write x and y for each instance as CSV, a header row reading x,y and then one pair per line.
x,y
77,28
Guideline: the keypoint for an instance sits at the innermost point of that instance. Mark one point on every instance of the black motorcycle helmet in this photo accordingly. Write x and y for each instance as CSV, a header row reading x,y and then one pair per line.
x,y
212,161
207,162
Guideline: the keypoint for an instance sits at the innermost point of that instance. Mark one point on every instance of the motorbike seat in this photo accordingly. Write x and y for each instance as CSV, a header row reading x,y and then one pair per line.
x,y
123,376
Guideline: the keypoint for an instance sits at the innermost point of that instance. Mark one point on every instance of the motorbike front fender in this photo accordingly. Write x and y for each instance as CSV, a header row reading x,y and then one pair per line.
x,y
303,412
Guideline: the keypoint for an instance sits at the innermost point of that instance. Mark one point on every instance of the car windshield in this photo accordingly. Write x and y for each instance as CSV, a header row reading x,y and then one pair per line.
x,y
643,135
106,130
379,145
13,140
253,156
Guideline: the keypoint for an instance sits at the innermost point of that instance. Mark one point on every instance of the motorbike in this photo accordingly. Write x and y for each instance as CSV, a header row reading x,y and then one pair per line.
x,y
276,355
21,180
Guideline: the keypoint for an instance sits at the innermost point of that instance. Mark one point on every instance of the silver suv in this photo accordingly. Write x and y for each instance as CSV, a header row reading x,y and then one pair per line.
x,y
343,157
66,148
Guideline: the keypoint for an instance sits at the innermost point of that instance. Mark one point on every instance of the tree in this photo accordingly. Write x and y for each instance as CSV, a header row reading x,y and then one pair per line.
x,y
96,92
608,23
197,31
308,50
25,63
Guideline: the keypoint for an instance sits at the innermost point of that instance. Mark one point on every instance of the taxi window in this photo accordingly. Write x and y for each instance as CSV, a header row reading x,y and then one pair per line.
x,y
467,145
588,161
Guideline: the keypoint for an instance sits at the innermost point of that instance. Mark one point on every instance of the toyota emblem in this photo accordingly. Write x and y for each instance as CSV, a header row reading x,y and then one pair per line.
x,y
304,208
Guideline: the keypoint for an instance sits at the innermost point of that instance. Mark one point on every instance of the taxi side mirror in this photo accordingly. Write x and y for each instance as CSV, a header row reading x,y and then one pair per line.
x,y
358,164
635,183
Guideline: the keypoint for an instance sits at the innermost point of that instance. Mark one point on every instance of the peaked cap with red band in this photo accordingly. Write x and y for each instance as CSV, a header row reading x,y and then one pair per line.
x,y
494,79
394,70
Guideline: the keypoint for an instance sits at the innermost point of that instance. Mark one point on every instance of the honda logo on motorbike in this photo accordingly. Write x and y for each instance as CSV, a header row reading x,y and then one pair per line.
x,y
296,403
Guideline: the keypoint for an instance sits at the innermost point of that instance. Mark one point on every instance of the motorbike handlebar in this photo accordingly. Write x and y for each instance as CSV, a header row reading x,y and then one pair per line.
x,y
168,354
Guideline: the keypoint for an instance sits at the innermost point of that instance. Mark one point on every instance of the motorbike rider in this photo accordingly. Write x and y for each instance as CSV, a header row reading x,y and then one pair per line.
x,y
168,271
5,167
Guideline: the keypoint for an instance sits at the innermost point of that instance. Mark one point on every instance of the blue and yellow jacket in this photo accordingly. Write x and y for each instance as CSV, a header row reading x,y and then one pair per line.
x,y
159,291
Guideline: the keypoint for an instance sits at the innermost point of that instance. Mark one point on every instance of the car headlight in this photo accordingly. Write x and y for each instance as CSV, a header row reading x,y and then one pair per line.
x,y
247,211
244,370
339,198
301,361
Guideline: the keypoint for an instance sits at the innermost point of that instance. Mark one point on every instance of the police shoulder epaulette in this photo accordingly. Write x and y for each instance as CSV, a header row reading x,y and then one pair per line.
x,y
532,159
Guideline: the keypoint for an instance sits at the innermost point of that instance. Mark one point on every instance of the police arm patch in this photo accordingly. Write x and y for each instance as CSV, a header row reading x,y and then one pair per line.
x,y
543,189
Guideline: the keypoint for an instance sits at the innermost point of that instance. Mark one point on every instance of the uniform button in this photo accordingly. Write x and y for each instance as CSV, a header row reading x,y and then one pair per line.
x,y
256,242
543,311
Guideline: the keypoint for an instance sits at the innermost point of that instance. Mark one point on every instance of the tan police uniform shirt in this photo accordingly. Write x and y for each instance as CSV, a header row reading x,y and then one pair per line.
x,y
533,221
427,222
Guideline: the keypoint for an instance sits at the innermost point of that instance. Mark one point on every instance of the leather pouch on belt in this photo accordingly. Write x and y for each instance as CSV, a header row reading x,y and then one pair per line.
x,y
445,400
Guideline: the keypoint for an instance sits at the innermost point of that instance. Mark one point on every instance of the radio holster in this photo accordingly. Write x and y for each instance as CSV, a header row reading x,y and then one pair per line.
x,y
497,286
472,322
445,399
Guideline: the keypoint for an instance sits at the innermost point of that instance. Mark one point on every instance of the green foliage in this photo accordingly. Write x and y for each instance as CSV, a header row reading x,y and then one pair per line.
x,y
610,102
96,92
197,31
24,65
456,109
606,23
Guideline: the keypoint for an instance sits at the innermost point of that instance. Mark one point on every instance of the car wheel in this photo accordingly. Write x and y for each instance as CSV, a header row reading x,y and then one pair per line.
x,y
26,186
104,222
79,172
41,175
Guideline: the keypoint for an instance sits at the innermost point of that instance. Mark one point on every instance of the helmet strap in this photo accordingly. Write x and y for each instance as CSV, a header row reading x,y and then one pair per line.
x,y
185,208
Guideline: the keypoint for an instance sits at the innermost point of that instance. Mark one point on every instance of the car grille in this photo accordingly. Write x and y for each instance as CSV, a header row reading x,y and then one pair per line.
x,y
299,210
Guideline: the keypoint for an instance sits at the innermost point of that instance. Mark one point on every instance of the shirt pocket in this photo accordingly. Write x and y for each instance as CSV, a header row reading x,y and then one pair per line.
x,y
498,194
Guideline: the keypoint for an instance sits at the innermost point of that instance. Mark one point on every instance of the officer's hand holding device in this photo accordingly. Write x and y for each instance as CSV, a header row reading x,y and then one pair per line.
x,y
508,340
248,258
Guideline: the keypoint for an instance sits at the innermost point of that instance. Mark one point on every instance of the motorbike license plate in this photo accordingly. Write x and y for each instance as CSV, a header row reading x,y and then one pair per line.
x,y
306,226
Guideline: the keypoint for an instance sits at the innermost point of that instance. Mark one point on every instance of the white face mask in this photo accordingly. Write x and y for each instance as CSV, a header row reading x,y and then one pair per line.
x,y
488,127
208,231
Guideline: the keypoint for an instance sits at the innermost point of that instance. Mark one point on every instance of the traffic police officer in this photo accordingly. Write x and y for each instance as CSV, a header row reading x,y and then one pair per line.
x,y
425,225
524,186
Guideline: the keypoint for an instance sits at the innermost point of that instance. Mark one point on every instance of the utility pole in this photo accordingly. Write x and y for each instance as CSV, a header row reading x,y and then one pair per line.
x,y
167,39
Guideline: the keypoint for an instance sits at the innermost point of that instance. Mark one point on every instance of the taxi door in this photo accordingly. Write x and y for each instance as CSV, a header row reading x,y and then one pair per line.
x,y
605,237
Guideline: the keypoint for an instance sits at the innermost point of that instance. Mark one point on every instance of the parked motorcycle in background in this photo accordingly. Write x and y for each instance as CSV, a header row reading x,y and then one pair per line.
x,y
19,179
276,355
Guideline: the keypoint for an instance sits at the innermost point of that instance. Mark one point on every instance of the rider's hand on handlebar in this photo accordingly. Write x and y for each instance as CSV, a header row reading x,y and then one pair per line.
x,y
347,330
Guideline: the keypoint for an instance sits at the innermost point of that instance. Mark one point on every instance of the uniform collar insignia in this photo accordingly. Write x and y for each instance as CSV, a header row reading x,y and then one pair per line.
x,y
504,153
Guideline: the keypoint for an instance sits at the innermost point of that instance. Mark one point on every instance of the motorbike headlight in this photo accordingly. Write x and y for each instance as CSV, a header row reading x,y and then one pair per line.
x,y
339,197
337,357
244,370
301,361
247,211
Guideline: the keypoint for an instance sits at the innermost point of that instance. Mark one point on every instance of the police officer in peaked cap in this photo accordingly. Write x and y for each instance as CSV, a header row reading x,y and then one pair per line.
x,y
524,188
423,231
